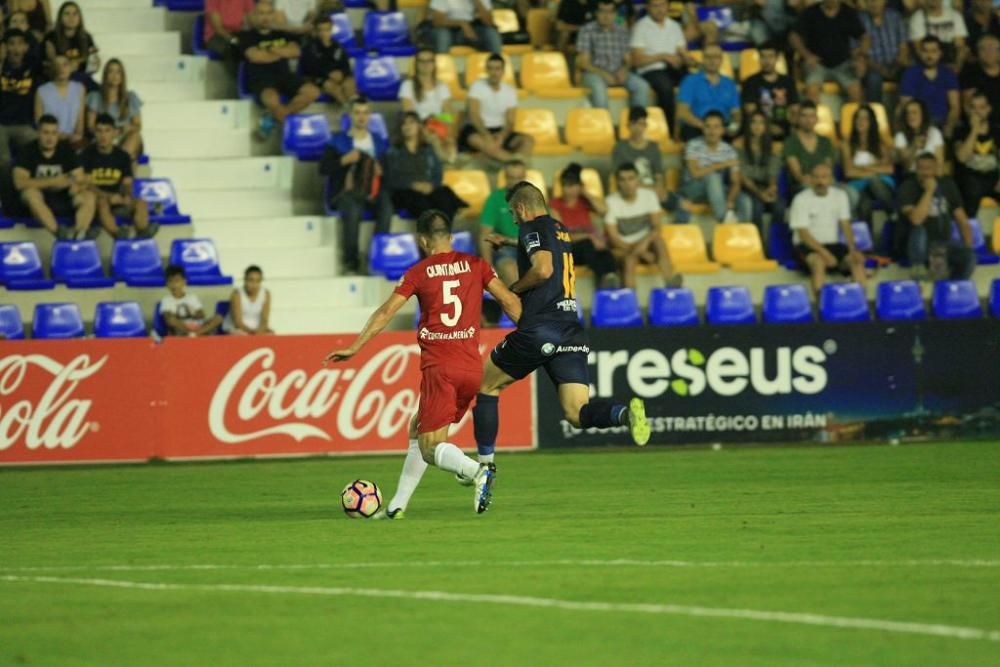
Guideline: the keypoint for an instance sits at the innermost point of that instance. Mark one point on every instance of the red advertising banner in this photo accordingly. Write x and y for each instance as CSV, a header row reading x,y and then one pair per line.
x,y
130,399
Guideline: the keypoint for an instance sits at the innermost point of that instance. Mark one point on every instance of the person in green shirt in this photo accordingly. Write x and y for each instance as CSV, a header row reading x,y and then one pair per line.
x,y
498,231
804,149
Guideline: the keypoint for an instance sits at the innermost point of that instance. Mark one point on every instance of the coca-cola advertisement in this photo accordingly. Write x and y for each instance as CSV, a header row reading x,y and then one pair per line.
x,y
100,400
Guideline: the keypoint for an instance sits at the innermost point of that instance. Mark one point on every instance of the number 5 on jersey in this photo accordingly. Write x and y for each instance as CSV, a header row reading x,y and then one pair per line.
x,y
449,299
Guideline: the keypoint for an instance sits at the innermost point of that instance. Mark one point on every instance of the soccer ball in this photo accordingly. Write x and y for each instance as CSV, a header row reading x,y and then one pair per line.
x,y
361,499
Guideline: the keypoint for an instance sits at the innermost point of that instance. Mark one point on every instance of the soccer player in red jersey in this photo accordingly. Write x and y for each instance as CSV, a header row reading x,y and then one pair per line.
x,y
449,287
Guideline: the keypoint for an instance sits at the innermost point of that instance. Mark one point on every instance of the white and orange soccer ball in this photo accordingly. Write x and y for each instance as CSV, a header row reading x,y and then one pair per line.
x,y
361,499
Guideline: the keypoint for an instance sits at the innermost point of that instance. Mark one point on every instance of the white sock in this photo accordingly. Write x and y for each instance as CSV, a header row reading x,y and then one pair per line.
x,y
450,458
413,469
486,458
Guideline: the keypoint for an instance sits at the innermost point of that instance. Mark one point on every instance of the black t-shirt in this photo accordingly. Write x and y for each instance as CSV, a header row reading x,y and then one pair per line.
x,y
17,93
73,49
106,170
771,97
575,12
974,77
976,31
827,36
554,300
984,158
319,61
269,72
946,199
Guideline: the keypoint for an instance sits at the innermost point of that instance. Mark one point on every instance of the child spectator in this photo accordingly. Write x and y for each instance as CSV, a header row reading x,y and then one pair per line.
x,y
977,154
123,105
63,98
917,136
325,62
712,174
430,98
868,165
69,38
759,167
181,310
576,209
249,306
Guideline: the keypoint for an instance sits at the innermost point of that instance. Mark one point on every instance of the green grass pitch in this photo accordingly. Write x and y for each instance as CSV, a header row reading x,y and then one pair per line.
x,y
834,555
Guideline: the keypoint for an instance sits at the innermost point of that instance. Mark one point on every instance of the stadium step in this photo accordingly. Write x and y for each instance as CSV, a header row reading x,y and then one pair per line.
x,y
356,292
238,204
232,143
192,174
199,115
292,232
125,44
170,91
142,70
130,18
298,320
281,262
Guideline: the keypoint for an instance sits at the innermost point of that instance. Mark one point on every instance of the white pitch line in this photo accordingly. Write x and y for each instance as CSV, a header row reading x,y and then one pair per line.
x,y
899,627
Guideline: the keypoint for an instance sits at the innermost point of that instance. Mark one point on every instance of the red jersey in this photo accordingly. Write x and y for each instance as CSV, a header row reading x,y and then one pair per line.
x,y
449,287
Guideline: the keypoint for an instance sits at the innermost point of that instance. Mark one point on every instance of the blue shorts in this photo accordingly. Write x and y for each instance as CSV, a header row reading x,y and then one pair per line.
x,y
561,348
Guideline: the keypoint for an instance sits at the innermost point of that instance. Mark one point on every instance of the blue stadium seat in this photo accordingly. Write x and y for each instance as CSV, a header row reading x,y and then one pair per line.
x,y
119,319
78,264
995,297
305,135
241,82
137,262
356,4
182,5
11,327
198,39
956,300
161,197
779,245
983,254
899,300
843,302
391,255
786,304
200,260
343,34
672,306
21,267
724,19
159,324
377,77
729,304
376,124
57,320
388,33
862,236
615,308
463,242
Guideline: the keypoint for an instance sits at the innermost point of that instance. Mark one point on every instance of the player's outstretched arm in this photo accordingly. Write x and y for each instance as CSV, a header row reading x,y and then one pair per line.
x,y
509,301
540,271
376,323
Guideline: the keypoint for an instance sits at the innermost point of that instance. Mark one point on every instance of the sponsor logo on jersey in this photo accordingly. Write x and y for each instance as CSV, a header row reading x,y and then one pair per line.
x,y
573,348
532,241
548,349
461,334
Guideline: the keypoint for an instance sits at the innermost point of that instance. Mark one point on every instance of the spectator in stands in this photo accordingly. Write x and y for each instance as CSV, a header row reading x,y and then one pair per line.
x,y
431,100
603,59
868,166
917,136
576,210
63,99
817,214
38,14
804,149
984,75
465,22
51,182
19,78
889,52
770,23
498,231
19,21
108,170
296,16
820,37
413,175
641,153
269,75
705,91
659,54
976,155
632,224
945,23
771,93
981,19
712,173
69,38
571,16
249,306
759,167
492,106
324,62
352,165
930,202
934,84
224,21
182,311
123,105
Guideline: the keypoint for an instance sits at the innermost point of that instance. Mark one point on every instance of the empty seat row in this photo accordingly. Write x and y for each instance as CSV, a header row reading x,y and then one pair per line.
x,y
112,319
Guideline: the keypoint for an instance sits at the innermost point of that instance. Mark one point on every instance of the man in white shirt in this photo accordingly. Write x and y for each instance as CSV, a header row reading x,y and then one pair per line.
x,y
946,24
491,109
465,22
816,216
659,54
182,311
632,225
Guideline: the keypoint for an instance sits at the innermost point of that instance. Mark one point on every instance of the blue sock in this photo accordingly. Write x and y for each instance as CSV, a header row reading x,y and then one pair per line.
x,y
486,423
603,414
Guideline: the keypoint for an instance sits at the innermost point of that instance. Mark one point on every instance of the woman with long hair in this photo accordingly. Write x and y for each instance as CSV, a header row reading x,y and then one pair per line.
x,y
867,161
70,38
916,136
430,99
759,167
115,99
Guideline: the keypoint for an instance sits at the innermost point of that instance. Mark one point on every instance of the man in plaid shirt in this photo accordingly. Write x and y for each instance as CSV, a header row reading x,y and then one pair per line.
x,y
889,52
602,58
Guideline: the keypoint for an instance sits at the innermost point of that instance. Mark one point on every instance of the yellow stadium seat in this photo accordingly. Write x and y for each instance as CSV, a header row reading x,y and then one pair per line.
x,y
541,125
533,176
412,4
475,69
461,51
590,130
988,202
656,129
727,63
996,233
825,126
672,179
592,184
686,247
472,185
739,247
506,21
540,27
545,74
750,63
447,73
847,111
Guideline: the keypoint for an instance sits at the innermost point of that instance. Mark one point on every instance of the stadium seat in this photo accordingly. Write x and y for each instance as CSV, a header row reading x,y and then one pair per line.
x,y
750,63
57,320
843,302
847,112
862,236
739,247
656,129
305,136
11,327
390,255
343,34
200,260
463,242
615,308
786,304
377,78
21,267
730,304
533,176
996,235
161,197
545,74
956,300
672,306
159,324
592,183
183,5
119,319
825,126
541,125
242,91
779,244
137,262
506,23
388,33
540,26
471,185
983,254
724,18
198,39
995,297
686,247
447,73
78,265
591,131
376,124
725,70
475,69
899,300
